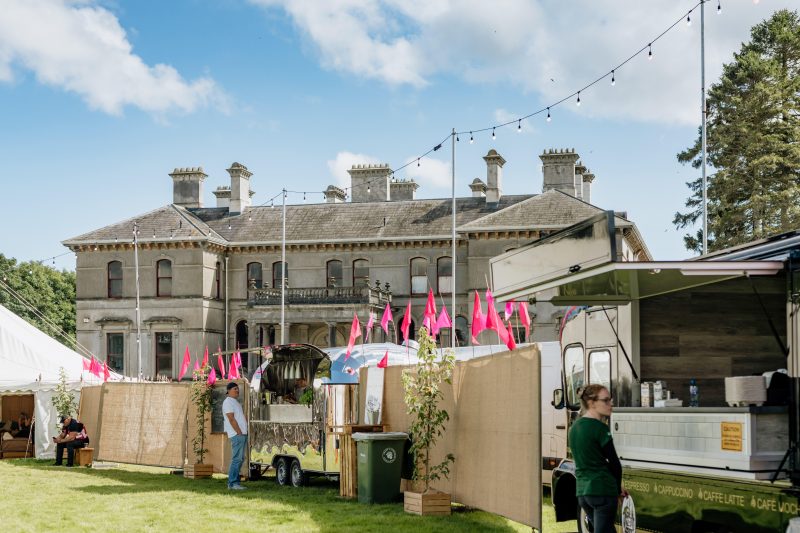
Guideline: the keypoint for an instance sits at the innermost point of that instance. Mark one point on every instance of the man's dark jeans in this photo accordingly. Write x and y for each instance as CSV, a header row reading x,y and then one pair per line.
x,y
602,511
71,446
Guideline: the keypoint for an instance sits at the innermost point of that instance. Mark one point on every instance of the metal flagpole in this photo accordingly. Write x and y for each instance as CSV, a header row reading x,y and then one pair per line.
x,y
453,261
283,271
703,100
138,310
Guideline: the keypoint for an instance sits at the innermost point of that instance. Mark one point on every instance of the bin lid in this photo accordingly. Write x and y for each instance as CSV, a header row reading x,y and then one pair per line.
x,y
389,435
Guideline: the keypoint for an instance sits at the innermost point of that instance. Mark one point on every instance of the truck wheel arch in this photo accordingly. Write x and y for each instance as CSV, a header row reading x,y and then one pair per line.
x,y
565,502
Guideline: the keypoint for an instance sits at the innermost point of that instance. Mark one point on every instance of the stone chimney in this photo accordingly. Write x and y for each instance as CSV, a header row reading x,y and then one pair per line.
x,y
580,170
586,195
187,186
403,190
478,188
223,195
494,176
370,183
334,195
558,169
240,188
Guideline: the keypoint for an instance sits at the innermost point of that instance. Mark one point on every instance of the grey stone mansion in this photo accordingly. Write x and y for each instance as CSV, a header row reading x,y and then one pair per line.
x,y
211,276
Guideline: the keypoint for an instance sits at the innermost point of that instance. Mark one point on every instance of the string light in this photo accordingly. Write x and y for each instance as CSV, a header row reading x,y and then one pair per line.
x,y
650,51
719,7
493,134
229,225
272,204
369,189
519,126
471,140
548,115
304,197
457,140
613,79
689,18
578,102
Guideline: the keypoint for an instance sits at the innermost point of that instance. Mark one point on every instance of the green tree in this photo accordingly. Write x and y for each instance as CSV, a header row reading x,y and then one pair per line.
x,y
50,291
753,141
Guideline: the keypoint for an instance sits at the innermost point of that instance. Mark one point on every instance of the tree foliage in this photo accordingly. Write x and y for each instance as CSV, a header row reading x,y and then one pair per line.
x,y
63,399
50,291
200,395
423,392
753,141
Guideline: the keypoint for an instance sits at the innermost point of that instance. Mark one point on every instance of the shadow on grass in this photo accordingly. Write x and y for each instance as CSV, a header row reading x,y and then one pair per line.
x,y
319,500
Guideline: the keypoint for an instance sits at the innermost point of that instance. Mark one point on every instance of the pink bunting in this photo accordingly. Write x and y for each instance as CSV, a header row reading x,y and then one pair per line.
x,y
370,324
443,321
387,317
478,321
197,365
406,324
205,358
383,363
86,364
212,377
355,332
94,367
510,339
221,365
187,359
429,318
106,372
233,371
509,311
525,318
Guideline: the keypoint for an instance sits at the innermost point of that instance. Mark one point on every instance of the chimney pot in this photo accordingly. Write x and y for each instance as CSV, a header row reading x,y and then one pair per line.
x,y
240,188
187,187
494,176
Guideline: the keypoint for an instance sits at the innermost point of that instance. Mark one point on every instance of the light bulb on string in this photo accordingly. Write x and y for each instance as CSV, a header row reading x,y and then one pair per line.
x,y
471,140
719,7
272,204
650,51
578,102
418,162
548,115
613,79
369,189
493,134
304,197
519,126
689,18
457,139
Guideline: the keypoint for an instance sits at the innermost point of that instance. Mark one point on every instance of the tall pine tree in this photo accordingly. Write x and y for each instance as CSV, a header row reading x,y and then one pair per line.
x,y
753,141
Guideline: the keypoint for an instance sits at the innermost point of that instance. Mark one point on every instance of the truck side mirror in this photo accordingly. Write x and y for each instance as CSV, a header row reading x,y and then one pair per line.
x,y
558,399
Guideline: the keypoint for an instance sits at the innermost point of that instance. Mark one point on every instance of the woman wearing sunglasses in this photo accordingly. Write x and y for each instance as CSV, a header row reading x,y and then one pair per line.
x,y
598,470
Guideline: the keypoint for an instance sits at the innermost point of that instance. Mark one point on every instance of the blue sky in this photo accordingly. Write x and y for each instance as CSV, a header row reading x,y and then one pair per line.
x,y
100,100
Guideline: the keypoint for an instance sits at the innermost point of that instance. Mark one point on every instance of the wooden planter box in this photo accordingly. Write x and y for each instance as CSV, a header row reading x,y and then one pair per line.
x,y
198,471
432,503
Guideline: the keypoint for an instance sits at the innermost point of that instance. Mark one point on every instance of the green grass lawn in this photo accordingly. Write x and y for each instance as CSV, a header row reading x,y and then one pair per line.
x,y
40,497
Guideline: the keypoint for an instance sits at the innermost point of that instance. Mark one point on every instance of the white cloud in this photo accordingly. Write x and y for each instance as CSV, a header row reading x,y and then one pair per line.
x,y
430,172
344,161
529,42
80,47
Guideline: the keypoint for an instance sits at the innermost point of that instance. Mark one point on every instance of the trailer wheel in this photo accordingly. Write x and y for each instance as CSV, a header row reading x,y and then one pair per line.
x,y
584,526
282,471
296,474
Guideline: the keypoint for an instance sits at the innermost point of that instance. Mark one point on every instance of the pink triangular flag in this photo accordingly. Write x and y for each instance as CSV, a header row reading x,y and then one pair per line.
x,y
187,359
221,365
86,364
510,339
444,319
387,317
429,318
233,372
478,321
509,311
94,367
355,332
406,324
383,363
525,318
212,377
106,373
205,358
370,324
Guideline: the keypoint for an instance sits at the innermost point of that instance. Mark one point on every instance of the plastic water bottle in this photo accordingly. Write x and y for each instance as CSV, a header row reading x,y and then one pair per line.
x,y
694,394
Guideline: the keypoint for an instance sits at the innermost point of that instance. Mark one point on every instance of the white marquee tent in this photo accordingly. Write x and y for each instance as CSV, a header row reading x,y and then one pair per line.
x,y
30,362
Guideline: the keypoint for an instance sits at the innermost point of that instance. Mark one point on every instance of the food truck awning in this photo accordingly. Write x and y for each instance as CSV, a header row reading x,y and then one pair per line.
x,y
621,282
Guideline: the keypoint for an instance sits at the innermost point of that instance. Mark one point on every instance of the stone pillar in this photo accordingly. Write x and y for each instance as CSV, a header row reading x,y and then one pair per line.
x,y
331,334
302,333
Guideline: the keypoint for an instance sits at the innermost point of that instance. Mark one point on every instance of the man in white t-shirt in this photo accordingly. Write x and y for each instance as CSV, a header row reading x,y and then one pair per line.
x,y
236,428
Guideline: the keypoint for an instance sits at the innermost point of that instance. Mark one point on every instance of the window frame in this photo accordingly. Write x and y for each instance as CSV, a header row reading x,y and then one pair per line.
x,y
259,280
218,280
285,274
590,380
357,279
439,276
159,278
121,355
158,355
570,390
412,276
328,277
109,279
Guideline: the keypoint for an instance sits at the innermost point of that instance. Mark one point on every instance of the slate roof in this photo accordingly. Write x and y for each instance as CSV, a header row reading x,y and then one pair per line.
x,y
348,222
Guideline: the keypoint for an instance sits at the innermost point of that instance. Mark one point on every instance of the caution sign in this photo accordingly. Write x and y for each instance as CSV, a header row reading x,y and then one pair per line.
x,y
731,436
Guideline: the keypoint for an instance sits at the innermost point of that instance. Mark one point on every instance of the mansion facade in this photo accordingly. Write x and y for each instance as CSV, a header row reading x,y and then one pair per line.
x,y
211,276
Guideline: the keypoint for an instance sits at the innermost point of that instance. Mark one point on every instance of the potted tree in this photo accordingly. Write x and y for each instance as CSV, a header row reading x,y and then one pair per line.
x,y
201,398
423,393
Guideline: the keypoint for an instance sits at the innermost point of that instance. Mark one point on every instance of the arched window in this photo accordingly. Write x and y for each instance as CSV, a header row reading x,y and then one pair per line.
x,y
218,281
444,275
412,330
333,276
164,278
115,279
241,335
255,276
276,274
360,273
419,275
462,331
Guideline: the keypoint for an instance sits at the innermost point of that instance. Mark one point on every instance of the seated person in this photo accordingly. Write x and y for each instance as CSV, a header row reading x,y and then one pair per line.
x,y
24,427
300,386
73,436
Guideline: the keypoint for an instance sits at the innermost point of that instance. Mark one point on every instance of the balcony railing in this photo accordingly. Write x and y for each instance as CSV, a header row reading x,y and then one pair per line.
x,y
373,295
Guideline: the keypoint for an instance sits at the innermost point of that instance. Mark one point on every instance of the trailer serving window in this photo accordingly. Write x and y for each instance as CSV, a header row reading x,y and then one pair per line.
x,y
600,368
573,374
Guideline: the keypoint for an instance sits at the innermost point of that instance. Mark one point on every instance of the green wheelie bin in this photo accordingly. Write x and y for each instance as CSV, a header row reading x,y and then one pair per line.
x,y
380,461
